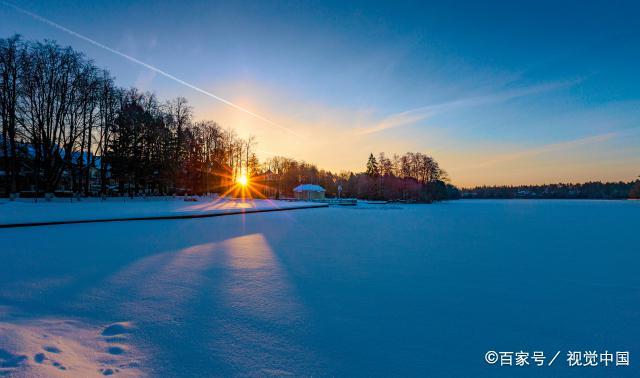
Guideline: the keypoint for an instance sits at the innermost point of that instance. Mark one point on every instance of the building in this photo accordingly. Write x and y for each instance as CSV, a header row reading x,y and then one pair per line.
x,y
308,192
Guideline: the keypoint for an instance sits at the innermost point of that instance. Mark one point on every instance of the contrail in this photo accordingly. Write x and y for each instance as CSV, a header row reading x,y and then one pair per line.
x,y
146,65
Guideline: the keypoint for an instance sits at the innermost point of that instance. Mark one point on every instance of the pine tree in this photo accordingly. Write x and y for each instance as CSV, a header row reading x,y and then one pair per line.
x,y
372,166
635,190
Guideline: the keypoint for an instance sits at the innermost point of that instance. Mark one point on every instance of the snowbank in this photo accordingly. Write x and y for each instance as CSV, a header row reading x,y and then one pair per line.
x,y
26,212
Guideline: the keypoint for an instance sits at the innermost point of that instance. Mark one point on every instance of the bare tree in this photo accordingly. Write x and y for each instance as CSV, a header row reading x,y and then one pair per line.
x,y
11,50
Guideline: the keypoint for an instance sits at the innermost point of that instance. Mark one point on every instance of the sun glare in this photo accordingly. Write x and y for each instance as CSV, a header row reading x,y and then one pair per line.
x,y
243,180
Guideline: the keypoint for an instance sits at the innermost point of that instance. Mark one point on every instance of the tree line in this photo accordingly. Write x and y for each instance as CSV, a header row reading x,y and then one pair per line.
x,y
410,177
65,124
67,127
589,190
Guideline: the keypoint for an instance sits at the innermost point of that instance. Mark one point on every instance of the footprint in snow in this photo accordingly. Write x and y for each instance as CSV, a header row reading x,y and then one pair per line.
x,y
117,329
9,360
39,358
115,350
52,349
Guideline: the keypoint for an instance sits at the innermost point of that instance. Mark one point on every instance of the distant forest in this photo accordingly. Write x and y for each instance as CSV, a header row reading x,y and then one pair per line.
x,y
589,190
68,129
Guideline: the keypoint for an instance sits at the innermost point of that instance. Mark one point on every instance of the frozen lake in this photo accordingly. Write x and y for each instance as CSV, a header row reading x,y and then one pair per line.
x,y
420,290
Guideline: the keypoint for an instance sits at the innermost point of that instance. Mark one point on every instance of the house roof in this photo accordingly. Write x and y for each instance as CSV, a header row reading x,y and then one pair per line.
x,y
308,188
75,155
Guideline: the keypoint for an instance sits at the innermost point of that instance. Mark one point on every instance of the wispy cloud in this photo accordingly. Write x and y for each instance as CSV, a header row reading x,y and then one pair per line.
x,y
554,147
414,115
148,66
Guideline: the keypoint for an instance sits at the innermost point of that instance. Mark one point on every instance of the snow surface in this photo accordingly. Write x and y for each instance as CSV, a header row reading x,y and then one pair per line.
x,y
28,211
387,290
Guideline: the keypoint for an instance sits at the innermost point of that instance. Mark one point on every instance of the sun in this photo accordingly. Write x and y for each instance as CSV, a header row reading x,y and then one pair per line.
x,y
243,180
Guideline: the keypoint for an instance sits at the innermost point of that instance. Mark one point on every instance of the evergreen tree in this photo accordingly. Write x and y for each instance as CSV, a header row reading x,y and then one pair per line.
x,y
372,166
635,190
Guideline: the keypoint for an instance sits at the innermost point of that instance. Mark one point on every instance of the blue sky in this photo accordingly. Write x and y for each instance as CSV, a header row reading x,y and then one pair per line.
x,y
498,92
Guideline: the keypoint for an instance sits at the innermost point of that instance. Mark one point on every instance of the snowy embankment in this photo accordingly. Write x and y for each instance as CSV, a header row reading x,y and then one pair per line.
x,y
28,212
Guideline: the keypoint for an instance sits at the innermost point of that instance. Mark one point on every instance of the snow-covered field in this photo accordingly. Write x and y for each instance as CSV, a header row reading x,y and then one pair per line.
x,y
388,290
61,210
